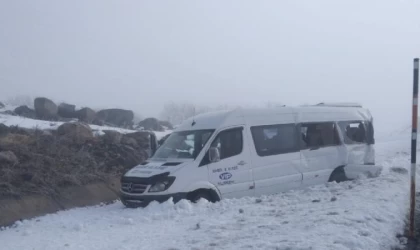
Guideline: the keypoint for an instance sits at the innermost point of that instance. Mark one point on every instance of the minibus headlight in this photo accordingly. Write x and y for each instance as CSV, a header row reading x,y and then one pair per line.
x,y
162,185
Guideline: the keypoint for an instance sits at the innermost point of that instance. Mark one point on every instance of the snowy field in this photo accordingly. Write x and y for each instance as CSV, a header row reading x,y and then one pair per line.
x,y
362,214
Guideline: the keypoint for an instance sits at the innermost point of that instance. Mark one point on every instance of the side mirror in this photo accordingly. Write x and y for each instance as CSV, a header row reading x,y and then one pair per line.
x,y
214,154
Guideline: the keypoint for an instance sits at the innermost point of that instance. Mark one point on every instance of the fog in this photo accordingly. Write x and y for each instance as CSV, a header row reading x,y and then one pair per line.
x,y
140,54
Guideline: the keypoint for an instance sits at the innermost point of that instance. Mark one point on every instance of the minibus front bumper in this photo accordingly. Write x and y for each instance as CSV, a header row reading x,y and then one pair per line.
x,y
134,201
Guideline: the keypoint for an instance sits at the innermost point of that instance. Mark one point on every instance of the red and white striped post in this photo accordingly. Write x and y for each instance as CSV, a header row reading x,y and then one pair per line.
x,y
414,147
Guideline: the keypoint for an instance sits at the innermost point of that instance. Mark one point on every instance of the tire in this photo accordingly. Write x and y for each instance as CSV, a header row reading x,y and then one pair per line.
x,y
338,175
201,195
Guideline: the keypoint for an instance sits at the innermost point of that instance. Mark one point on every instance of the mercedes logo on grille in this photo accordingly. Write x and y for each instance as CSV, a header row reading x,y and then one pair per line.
x,y
130,187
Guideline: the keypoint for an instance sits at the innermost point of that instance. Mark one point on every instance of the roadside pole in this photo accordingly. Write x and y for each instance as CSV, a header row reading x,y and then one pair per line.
x,y
414,147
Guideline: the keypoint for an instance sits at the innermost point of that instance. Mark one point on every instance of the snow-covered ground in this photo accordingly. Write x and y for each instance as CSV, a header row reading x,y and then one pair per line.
x,y
23,122
362,214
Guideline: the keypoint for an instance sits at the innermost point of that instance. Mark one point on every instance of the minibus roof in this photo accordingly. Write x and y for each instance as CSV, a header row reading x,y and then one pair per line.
x,y
315,113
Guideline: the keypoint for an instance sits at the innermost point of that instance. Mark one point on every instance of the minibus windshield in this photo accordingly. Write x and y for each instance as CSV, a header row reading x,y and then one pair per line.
x,y
183,145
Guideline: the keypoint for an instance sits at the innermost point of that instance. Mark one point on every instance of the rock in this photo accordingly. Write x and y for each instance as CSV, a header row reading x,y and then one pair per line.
x,y
87,115
142,138
8,157
333,198
129,141
151,124
78,132
2,105
67,110
112,136
45,108
119,117
166,125
25,111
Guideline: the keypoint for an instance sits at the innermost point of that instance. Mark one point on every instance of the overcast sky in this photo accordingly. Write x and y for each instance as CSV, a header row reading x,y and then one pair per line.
x,y
140,54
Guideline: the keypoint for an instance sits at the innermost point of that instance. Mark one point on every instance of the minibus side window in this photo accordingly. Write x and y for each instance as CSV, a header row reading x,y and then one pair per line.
x,y
229,142
354,132
316,135
275,139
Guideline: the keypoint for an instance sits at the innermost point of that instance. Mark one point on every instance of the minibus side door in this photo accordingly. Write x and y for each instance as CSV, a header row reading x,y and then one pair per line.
x,y
320,151
276,158
230,170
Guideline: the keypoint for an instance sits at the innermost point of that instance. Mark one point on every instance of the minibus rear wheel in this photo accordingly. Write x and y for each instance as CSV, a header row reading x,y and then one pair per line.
x,y
338,175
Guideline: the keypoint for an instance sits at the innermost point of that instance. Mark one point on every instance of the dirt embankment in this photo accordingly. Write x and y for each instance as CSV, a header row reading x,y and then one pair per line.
x,y
36,162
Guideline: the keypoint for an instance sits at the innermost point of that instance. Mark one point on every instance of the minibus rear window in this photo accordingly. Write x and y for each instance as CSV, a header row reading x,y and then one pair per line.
x,y
354,132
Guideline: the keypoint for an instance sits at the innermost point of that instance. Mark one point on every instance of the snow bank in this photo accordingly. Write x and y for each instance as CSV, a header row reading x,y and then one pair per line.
x,y
23,122
362,214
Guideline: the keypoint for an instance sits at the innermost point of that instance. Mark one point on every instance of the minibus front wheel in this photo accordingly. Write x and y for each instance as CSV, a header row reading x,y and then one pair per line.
x,y
206,194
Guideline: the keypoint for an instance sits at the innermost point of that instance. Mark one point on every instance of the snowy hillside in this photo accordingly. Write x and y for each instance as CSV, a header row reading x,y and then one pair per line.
x,y
362,214
23,122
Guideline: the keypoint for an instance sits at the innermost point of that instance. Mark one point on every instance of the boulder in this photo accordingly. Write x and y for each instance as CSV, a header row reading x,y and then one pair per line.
x,y
151,124
141,138
86,115
118,117
25,111
112,136
76,131
8,157
66,110
129,141
45,108
2,105
166,124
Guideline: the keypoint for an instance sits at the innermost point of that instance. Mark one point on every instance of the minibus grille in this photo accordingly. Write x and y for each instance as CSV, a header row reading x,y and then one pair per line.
x,y
133,188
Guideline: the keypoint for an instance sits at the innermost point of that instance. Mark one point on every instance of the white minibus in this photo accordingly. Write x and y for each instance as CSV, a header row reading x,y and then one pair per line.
x,y
253,152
